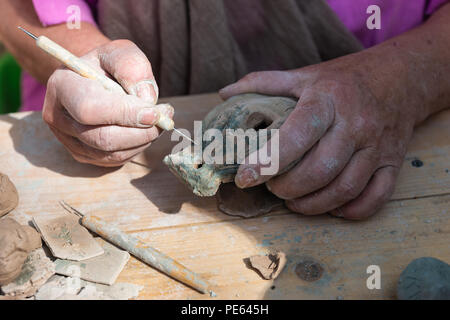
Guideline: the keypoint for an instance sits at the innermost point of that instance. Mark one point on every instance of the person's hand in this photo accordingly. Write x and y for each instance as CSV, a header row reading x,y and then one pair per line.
x,y
98,126
350,128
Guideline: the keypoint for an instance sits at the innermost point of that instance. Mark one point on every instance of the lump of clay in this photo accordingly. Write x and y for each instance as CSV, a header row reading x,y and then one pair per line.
x,y
9,198
37,269
268,266
425,279
16,242
246,111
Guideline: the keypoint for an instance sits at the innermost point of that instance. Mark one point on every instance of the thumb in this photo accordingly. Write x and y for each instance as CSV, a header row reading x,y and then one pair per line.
x,y
281,83
130,67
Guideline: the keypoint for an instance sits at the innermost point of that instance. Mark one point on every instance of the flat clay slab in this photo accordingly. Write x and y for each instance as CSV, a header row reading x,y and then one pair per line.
x,y
67,239
103,269
62,288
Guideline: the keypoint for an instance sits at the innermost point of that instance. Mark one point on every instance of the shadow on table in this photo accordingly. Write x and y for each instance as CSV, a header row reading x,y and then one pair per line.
x,y
34,140
157,184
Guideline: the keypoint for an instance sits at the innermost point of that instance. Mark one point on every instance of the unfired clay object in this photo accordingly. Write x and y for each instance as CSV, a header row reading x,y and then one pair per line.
x,y
67,238
425,278
37,269
16,242
246,111
103,269
246,203
9,198
268,266
62,288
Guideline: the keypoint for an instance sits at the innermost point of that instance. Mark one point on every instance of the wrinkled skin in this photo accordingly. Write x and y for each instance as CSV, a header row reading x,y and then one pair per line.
x,y
356,145
353,121
101,127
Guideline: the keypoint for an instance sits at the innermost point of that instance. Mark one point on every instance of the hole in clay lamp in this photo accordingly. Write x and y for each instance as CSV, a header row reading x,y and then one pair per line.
x,y
198,166
258,121
262,125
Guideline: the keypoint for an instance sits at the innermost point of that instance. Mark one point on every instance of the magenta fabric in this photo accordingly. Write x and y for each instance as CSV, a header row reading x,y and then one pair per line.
x,y
49,12
397,16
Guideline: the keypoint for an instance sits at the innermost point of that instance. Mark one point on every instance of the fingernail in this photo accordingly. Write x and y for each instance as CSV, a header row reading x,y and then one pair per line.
x,y
246,178
147,90
166,109
292,205
148,117
224,91
337,213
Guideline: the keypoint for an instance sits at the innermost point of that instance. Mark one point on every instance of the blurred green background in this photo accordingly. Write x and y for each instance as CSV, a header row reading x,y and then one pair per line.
x,y
10,73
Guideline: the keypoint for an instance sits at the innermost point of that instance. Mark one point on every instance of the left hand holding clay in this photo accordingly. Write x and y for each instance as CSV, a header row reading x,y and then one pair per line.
x,y
353,121
350,130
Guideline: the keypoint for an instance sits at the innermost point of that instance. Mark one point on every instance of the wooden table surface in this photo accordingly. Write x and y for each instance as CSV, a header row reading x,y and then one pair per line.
x,y
145,199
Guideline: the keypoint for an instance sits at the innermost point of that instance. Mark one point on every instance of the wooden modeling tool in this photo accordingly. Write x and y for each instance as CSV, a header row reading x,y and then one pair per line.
x,y
141,250
85,70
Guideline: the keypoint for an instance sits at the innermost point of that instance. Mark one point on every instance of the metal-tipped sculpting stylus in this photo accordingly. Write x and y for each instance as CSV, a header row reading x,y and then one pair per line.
x,y
83,69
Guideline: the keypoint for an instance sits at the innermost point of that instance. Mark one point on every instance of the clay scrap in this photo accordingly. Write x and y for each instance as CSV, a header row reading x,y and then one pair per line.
x,y
38,268
425,278
103,269
268,266
68,288
67,239
16,242
9,198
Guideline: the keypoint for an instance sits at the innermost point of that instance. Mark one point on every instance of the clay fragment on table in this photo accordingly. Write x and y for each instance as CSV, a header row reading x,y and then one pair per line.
x,y
246,203
103,269
68,288
16,242
425,278
268,266
246,111
67,238
9,198
37,269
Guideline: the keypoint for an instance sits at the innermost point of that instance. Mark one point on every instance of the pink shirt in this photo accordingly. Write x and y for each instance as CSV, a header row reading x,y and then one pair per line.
x,y
397,16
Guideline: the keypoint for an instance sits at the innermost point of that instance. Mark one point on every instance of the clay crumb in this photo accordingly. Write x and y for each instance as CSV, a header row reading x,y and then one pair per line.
x,y
268,266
